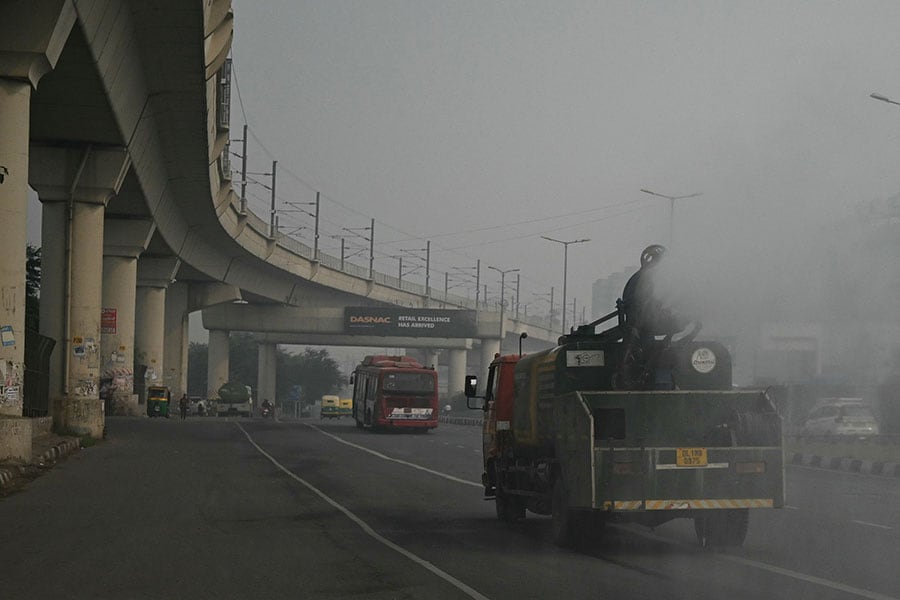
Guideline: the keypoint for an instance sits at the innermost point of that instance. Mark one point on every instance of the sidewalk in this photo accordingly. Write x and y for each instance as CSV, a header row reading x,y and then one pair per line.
x,y
46,450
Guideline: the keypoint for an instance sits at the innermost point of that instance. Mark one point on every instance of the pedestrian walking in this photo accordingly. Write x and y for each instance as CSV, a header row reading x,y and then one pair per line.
x,y
183,405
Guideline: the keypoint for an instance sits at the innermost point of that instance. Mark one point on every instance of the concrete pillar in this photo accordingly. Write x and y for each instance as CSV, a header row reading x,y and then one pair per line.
x,y
54,282
217,366
176,339
266,383
75,183
154,276
33,37
123,242
149,349
432,357
14,115
456,372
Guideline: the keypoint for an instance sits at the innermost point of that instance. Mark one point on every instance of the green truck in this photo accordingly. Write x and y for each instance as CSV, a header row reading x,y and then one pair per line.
x,y
563,438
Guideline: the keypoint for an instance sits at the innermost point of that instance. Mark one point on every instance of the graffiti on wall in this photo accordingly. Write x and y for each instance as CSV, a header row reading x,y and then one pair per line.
x,y
116,388
86,388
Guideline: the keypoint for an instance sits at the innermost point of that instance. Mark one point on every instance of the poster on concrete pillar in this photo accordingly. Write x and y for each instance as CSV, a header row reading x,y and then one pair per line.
x,y
409,322
108,320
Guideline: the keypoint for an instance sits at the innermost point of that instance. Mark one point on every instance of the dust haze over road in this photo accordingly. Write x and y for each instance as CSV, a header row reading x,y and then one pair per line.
x,y
482,126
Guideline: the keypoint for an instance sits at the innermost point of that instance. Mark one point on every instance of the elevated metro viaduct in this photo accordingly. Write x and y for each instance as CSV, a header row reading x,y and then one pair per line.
x,y
117,113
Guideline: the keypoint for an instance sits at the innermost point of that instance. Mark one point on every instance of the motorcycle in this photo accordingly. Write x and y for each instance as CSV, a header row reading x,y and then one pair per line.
x,y
266,412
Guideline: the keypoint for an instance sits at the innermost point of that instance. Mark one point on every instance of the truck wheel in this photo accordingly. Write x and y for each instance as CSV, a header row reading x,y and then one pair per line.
x,y
565,527
718,528
510,508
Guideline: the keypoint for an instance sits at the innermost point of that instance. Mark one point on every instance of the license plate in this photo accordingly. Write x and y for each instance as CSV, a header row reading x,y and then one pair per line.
x,y
690,457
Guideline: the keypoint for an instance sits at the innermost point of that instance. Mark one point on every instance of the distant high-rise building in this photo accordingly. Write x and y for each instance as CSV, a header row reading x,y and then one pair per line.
x,y
607,290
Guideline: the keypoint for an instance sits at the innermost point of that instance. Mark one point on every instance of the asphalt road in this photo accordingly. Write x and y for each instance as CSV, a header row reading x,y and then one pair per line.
x,y
211,508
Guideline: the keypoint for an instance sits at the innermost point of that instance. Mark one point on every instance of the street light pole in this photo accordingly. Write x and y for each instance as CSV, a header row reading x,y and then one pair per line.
x,y
671,200
502,292
565,271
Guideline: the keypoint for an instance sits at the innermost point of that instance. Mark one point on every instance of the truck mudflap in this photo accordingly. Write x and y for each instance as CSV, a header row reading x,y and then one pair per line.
x,y
670,451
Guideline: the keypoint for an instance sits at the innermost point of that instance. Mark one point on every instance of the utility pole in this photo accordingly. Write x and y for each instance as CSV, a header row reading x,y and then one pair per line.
x,y
316,239
342,253
446,288
552,289
518,281
477,282
372,249
428,269
272,214
244,172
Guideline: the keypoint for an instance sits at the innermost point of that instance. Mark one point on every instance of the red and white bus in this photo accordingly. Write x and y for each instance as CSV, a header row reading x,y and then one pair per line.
x,y
394,392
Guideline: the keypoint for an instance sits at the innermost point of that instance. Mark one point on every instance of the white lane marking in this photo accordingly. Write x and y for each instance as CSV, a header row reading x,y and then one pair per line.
x,y
365,527
868,524
808,578
463,447
396,460
735,559
767,567
789,507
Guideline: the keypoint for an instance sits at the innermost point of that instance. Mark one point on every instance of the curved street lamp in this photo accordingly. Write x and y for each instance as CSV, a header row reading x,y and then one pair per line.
x,y
565,273
671,200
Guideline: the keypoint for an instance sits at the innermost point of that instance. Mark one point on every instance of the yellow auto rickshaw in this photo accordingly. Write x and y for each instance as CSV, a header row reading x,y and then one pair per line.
x,y
331,406
158,400
345,408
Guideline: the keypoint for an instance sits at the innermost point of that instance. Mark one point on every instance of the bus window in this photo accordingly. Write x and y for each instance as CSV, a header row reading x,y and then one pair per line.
x,y
408,383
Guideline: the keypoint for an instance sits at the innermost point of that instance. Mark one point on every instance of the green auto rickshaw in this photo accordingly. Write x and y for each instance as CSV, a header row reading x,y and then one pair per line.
x,y
158,399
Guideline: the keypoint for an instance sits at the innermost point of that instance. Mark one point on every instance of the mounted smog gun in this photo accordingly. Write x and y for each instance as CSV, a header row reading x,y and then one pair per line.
x,y
636,423
647,327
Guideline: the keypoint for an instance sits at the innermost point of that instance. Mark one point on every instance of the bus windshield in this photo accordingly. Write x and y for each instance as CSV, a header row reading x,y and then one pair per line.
x,y
408,383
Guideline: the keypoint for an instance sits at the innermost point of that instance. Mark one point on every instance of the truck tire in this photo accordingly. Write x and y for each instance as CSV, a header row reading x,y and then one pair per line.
x,y
565,521
510,508
720,528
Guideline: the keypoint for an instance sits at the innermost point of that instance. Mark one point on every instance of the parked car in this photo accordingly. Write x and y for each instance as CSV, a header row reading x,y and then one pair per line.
x,y
841,416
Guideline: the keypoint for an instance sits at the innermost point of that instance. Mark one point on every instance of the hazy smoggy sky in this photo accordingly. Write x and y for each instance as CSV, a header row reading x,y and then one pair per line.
x,y
483,125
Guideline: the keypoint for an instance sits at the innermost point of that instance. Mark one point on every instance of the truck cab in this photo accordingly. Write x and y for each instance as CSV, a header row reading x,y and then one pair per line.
x,y
498,412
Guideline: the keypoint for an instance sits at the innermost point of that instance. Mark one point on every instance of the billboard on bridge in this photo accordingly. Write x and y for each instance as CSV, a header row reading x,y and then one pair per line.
x,y
409,322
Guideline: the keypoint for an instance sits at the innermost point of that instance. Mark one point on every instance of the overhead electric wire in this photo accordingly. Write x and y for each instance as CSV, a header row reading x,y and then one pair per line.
x,y
290,219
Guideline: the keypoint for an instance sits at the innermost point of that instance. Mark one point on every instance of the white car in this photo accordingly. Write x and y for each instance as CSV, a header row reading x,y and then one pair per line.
x,y
841,416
